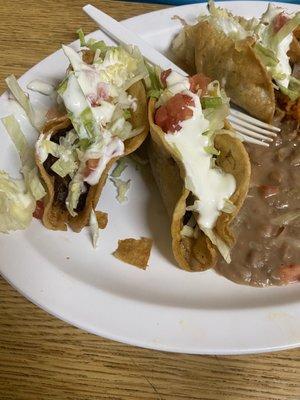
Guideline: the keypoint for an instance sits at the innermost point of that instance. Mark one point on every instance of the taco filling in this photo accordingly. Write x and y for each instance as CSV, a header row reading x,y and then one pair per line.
x,y
103,99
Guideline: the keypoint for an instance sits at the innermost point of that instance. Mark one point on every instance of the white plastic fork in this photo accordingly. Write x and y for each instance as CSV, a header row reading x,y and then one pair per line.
x,y
248,129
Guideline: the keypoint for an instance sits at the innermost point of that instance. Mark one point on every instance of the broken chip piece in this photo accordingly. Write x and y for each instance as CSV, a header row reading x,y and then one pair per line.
x,y
134,251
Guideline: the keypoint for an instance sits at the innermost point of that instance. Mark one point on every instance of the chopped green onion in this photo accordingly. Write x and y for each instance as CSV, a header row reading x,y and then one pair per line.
x,y
81,37
93,45
211,102
84,144
211,150
155,93
126,114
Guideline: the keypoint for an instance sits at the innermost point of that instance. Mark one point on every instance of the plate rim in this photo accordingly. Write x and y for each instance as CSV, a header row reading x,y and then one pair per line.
x,y
128,340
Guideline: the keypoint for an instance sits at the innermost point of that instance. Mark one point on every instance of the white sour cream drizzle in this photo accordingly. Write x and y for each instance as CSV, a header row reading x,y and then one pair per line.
x,y
177,83
114,149
41,87
73,97
210,186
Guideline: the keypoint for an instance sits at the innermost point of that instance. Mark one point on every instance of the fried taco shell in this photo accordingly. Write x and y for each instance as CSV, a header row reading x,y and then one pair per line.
x,y
56,215
196,254
234,64
237,67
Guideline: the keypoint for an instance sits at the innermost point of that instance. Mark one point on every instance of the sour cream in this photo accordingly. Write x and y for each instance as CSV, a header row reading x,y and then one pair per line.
x,y
74,98
210,186
41,87
176,83
114,149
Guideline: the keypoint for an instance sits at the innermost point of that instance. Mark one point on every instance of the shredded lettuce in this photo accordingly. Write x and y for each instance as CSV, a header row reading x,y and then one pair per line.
x,y
122,188
216,117
187,231
286,30
65,151
229,207
120,167
76,187
94,227
219,243
81,37
16,205
294,89
153,82
65,167
26,154
23,99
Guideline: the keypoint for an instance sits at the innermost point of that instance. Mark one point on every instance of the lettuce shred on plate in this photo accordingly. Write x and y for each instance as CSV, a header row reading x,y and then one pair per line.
x,y
18,196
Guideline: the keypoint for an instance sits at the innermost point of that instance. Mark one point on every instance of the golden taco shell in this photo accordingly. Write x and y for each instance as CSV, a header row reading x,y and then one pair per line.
x,y
233,63
56,215
196,254
236,66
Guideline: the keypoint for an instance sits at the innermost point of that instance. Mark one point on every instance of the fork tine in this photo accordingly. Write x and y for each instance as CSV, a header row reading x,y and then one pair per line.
x,y
255,121
248,132
249,139
252,127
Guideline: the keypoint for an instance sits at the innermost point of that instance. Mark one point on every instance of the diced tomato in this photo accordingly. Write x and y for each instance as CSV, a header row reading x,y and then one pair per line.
x,y
164,75
289,273
90,166
174,111
279,21
102,94
39,210
268,190
199,82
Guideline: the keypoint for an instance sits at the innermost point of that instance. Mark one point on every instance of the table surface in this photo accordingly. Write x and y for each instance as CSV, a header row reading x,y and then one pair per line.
x,y
42,357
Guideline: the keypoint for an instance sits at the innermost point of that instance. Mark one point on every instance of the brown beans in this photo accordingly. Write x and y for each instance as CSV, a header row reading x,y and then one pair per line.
x,y
276,176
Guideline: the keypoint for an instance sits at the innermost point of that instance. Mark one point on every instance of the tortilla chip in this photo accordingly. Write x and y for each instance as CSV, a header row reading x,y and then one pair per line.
x,y
56,216
134,251
196,254
102,219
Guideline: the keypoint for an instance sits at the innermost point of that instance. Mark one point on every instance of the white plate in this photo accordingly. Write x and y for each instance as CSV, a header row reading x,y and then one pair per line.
x,y
163,307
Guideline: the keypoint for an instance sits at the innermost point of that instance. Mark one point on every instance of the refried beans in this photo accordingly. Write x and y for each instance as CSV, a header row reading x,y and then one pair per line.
x,y
267,229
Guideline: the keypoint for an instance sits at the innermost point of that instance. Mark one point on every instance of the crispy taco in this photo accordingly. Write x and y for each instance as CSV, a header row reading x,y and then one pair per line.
x,y
105,118
202,170
256,61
